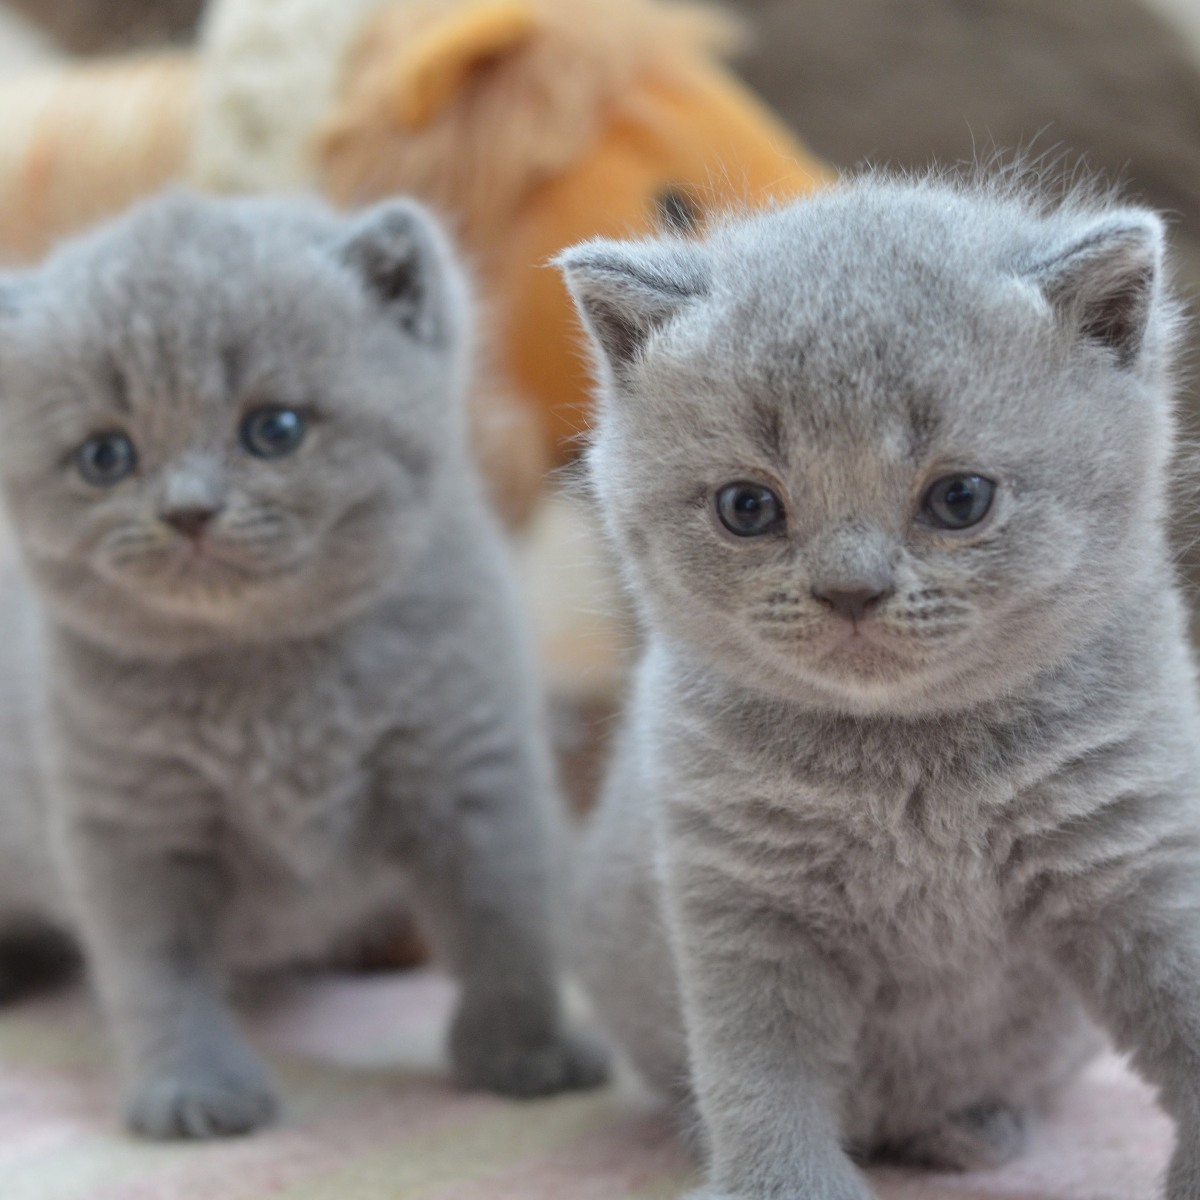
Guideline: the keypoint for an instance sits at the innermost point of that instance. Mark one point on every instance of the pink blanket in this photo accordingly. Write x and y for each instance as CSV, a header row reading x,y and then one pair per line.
x,y
369,1115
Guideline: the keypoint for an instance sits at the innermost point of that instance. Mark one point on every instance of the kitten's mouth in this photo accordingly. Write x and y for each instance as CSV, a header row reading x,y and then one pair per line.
x,y
200,560
863,648
201,570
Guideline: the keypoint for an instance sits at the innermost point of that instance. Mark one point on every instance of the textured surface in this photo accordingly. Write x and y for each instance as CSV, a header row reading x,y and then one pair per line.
x,y
369,1115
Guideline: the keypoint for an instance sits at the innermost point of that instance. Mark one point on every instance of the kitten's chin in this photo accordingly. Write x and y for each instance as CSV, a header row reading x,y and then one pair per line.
x,y
202,590
186,613
864,676
287,602
868,677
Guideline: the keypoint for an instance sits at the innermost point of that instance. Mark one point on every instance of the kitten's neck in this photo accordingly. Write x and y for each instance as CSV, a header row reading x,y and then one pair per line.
x,y
175,645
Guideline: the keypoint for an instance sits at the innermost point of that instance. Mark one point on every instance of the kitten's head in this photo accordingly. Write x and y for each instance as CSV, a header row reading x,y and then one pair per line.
x,y
891,448
230,418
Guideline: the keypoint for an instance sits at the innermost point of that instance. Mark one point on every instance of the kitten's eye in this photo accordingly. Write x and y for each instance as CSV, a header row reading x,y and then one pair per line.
x,y
272,432
749,509
959,501
105,459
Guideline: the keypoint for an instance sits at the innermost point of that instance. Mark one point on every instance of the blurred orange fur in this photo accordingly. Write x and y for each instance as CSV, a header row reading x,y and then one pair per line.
x,y
533,124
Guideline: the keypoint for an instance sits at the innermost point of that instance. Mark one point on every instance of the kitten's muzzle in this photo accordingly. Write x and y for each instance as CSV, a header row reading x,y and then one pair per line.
x,y
851,569
191,521
853,602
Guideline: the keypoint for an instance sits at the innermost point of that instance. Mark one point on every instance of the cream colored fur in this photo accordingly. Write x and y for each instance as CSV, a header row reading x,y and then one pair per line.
x,y
271,71
273,68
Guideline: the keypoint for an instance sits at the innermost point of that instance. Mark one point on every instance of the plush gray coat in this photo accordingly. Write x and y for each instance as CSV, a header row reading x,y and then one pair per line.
x,y
279,687
899,808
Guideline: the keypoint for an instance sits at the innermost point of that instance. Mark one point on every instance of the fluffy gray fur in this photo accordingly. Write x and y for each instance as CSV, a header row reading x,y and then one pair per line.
x,y
857,879
256,739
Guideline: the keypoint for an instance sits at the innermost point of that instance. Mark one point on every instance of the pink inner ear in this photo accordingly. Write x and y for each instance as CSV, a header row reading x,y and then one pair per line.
x,y
1105,282
395,251
1118,318
626,291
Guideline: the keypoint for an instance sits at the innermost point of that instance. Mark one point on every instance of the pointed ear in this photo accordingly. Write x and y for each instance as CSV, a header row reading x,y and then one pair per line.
x,y
1103,282
405,263
626,290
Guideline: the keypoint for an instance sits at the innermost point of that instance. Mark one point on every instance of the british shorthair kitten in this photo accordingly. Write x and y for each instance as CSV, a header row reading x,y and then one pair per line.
x,y
909,789
270,680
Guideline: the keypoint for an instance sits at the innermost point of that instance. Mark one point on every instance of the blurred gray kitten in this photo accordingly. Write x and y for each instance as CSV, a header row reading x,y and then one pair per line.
x,y
280,654
909,779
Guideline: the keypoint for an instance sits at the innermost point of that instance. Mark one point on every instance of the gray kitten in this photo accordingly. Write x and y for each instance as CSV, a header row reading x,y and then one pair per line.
x,y
909,781
284,678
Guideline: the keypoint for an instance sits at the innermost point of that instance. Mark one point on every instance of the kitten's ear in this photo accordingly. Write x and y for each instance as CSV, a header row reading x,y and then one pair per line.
x,y
406,264
626,290
1104,281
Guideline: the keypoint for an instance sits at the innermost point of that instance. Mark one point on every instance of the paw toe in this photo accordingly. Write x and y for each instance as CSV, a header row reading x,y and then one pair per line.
x,y
178,1107
570,1063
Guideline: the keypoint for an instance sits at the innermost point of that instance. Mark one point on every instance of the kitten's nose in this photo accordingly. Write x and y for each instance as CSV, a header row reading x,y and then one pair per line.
x,y
191,522
853,602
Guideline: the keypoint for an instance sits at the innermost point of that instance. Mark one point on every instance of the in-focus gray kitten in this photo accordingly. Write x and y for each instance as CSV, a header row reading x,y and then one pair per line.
x,y
910,778
285,680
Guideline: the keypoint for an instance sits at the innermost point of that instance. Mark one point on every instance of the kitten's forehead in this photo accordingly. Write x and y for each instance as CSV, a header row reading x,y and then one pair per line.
x,y
880,326
779,416
187,302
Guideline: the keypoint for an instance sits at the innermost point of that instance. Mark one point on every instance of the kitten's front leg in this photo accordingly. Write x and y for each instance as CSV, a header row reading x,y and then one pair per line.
x,y
481,875
770,1024
148,914
1137,961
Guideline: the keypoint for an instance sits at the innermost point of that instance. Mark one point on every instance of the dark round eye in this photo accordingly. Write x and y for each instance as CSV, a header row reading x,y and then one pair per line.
x,y
959,501
272,432
105,459
749,509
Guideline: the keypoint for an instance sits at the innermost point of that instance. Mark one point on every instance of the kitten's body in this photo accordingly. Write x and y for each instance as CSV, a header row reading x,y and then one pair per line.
x,y
924,874
289,740
30,892
880,867
275,693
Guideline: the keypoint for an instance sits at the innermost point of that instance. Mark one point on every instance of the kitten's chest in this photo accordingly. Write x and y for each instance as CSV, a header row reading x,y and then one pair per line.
x,y
293,780
912,872
283,757
900,852
915,885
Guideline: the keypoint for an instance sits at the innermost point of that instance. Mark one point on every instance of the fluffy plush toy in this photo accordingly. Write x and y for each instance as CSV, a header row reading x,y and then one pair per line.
x,y
540,122
529,124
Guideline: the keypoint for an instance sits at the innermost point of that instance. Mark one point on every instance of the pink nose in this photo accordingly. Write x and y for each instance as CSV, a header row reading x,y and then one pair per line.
x,y
189,521
851,602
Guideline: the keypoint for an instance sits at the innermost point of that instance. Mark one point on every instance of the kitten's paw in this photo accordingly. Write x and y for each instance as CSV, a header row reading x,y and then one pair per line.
x,y
202,1102
568,1062
982,1136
